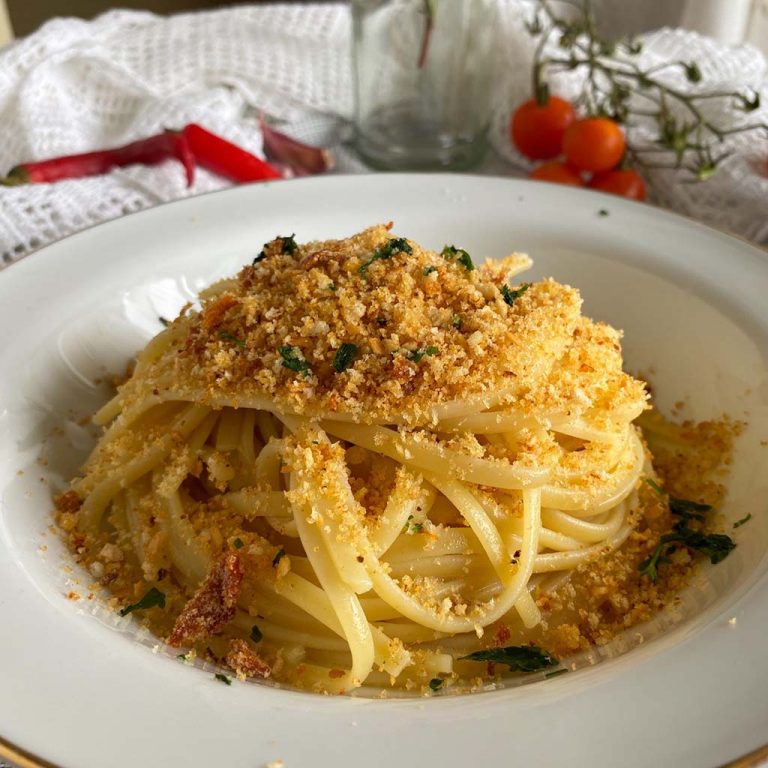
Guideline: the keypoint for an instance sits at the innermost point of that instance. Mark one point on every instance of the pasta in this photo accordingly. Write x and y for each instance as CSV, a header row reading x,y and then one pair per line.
x,y
361,461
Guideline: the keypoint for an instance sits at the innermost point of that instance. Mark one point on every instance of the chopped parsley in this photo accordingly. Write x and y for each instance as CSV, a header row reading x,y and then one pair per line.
x,y
153,598
519,658
510,296
331,287
278,557
429,270
182,657
393,246
603,212
452,253
293,362
227,336
456,322
743,520
345,356
256,634
411,527
223,678
656,487
164,321
238,543
688,510
716,546
436,683
287,245
416,355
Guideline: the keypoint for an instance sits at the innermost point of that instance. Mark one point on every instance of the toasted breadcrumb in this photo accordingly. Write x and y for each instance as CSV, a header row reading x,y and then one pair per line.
x,y
410,354
213,606
246,662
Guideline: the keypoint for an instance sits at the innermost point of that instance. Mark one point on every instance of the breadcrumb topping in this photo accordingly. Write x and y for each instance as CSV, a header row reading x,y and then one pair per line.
x,y
374,327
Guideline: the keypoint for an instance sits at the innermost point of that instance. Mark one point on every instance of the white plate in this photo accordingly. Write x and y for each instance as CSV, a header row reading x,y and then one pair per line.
x,y
78,687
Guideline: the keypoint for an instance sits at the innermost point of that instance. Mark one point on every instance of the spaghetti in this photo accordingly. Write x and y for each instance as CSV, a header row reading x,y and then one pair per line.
x,y
359,462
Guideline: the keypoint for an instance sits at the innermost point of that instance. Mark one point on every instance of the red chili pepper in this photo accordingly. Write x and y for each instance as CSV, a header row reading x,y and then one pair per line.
x,y
150,151
227,159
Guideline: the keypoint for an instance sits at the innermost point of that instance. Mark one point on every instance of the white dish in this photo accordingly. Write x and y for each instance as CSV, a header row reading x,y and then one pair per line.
x,y
81,688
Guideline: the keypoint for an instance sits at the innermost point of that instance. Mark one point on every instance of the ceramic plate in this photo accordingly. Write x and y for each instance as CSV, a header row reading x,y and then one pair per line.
x,y
80,687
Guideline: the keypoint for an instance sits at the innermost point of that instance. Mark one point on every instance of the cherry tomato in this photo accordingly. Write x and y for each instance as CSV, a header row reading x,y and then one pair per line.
x,y
626,183
556,172
537,130
593,144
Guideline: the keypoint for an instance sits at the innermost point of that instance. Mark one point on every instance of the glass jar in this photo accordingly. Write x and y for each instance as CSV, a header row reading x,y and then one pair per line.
x,y
423,82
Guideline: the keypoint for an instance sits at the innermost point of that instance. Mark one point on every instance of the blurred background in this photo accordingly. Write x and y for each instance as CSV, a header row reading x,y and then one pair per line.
x,y
732,21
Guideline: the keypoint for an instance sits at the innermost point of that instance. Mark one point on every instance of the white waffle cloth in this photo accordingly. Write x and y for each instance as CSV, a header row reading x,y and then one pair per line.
x,y
75,86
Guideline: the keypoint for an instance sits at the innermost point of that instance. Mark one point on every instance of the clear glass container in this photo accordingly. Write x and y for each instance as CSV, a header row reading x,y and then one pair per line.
x,y
423,82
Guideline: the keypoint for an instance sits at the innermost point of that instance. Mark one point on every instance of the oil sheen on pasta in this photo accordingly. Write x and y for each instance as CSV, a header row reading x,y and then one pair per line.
x,y
359,461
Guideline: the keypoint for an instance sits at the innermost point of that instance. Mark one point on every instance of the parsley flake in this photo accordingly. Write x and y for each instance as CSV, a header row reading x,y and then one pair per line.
x,y
411,527
603,212
436,683
182,657
429,270
223,678
416,355
716,546
743,520
345,356
287,245
238,543
227,336
452,253
656,487
519,658
456,322
164,321
293,362
688,510
154,597
510,296
256,635
385,252
331,287
278,557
